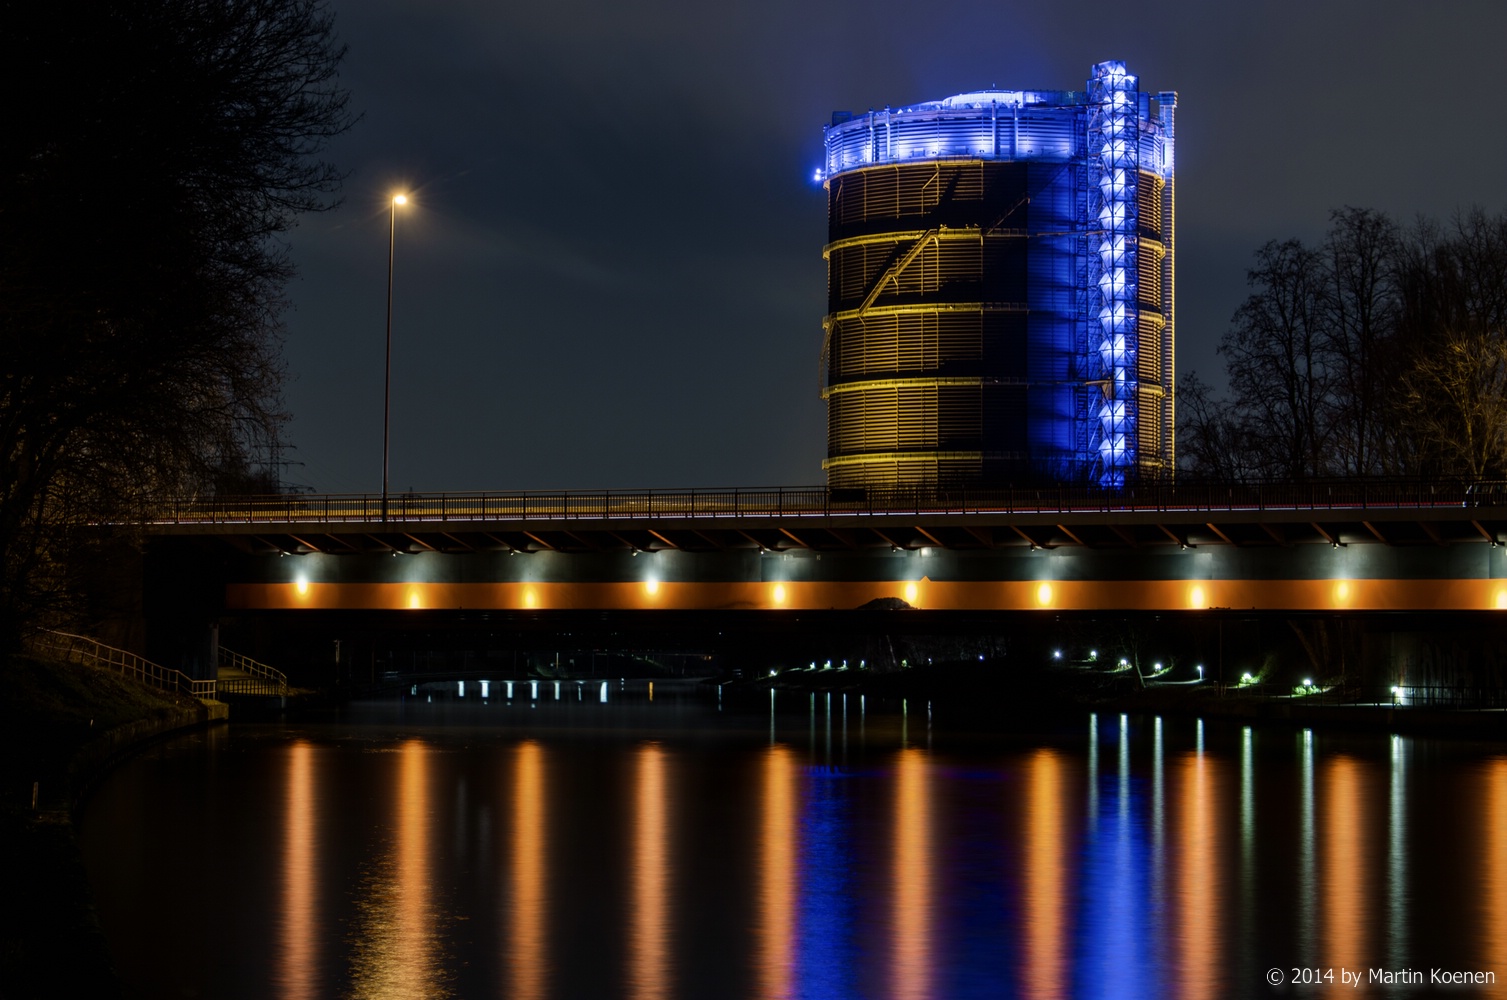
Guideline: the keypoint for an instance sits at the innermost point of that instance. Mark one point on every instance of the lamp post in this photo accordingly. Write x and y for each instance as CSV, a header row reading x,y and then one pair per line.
x,y
392,242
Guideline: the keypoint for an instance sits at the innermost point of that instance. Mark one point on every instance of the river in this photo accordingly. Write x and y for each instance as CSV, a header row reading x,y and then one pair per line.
x,y
814,846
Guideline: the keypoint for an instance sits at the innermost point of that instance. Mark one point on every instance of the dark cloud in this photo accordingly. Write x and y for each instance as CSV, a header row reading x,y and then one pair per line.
x,y
611,275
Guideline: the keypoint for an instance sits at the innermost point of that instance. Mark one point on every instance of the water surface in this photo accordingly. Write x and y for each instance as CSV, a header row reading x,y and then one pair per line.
x,y
815,847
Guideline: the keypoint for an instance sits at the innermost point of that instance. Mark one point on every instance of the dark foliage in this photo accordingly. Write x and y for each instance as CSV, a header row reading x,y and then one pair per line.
x,y
154,149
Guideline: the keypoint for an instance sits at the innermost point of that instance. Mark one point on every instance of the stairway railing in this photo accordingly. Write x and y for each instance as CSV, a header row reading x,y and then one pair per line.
x,y
92,652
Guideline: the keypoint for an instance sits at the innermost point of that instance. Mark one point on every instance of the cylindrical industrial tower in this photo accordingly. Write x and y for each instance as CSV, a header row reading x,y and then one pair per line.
x,y
999,288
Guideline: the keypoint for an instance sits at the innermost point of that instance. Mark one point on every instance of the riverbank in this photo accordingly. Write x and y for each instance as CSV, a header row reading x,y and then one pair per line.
x,y
61,726
1316,711
990,695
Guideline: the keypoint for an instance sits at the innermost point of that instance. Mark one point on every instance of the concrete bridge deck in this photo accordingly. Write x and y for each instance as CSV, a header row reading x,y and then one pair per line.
x,y
816,519
1345,546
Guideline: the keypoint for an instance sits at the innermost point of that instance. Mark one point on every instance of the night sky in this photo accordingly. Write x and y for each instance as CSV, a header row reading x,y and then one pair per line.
x,y
610,274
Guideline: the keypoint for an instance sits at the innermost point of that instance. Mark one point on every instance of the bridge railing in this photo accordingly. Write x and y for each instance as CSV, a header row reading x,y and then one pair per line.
x,y
258,686
1448,696
92,652
1192,497
259,679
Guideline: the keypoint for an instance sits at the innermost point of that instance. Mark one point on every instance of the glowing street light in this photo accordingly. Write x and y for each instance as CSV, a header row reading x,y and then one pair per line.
x,y
392,242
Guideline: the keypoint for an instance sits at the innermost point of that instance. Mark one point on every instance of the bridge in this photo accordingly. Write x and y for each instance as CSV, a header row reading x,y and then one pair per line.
x,y
1395,580
1344,546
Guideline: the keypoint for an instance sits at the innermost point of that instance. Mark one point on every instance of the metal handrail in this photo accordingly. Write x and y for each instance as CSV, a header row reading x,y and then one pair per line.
x,y
252,668
252,686
1446,696
1315,495
91,652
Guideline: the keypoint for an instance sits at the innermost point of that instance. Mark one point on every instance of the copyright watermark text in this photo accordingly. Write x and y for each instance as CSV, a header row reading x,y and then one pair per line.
x,y
1327,976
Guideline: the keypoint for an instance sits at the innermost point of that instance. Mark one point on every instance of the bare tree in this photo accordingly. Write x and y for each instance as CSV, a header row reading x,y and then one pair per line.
x,y
162,146
1277,359
1451,331
1358,314
1456,397
1214,442
1377,354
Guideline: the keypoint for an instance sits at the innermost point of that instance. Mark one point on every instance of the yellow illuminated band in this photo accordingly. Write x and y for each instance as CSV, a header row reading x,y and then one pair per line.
x,y
903,383
921,308
910,235
874,458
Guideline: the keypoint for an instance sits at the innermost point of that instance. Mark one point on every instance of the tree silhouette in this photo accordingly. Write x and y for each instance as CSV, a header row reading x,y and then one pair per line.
x,y
161,147
1381,352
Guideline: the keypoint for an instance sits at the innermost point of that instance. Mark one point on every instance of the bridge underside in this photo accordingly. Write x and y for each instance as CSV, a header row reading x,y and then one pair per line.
x,y
1395,587
1388,560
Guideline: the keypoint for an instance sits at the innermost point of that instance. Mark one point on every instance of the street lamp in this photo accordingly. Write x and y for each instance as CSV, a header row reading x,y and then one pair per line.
x,y
392,242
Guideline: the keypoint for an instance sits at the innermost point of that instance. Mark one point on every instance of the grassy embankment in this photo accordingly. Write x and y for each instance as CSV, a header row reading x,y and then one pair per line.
x,y
60,725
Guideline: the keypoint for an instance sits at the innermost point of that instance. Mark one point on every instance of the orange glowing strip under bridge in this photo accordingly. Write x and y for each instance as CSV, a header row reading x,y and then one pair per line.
x,y
940,595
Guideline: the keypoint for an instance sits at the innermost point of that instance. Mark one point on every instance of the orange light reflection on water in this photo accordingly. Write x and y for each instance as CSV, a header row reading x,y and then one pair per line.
x,y
526,947
1200,942
396,950
776,954
298,956
648,939
1044,971
1494,863
1347,863
910,917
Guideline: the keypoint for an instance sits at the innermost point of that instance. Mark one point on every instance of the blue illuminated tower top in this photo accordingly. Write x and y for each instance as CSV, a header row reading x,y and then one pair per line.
x,y
1078,385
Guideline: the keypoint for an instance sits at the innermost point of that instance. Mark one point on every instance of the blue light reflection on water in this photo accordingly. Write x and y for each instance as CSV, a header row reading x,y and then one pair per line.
x,y
1140,857
825,927
1113,958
